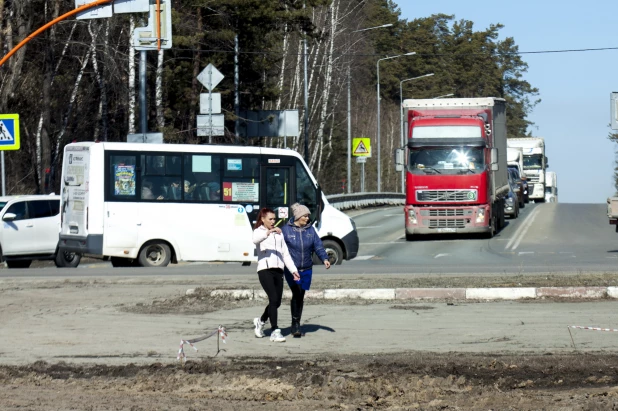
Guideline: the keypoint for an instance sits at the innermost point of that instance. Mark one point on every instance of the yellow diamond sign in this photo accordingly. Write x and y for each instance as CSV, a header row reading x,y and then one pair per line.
x,y
361,147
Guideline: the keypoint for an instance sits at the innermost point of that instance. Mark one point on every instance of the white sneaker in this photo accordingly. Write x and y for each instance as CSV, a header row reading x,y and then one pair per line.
x,y
258,327
276,336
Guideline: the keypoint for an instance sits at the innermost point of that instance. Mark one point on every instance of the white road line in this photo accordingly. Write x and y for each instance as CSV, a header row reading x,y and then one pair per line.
x,y
525,252
393,215
522,230
441,255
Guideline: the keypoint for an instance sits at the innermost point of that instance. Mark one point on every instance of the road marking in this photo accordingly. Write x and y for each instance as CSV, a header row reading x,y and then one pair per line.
x,y
522,230
364,257
525,252
441,255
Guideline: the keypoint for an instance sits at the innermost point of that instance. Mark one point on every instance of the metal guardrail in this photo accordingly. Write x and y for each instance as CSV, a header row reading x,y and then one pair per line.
x,y
361,200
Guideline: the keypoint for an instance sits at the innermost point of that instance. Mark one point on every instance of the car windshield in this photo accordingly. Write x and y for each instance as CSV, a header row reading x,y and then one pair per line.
x,y
446,160
534,161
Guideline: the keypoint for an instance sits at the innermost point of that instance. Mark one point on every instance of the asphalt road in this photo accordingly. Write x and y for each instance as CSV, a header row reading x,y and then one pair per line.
x,y
546,238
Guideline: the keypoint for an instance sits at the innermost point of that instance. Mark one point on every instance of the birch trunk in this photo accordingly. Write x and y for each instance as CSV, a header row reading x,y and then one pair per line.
x,y
326,90
100,131
159,91
195,85
132,93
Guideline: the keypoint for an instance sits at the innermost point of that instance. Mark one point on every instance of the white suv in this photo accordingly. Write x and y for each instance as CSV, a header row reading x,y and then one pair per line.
x,y
30,231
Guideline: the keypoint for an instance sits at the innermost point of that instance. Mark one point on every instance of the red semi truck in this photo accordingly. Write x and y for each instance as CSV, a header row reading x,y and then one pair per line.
x,y
456,168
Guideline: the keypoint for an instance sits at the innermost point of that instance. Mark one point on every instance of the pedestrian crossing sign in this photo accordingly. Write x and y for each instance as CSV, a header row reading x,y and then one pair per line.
x,y
361,147
9,131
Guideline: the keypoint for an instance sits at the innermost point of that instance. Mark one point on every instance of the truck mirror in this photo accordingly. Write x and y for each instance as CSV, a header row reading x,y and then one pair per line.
x,y
399,159
546,162
494,156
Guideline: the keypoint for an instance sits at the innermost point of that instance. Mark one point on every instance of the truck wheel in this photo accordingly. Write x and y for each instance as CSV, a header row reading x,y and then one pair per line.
x,y
67,259
409,237
19,263
334,251
155,255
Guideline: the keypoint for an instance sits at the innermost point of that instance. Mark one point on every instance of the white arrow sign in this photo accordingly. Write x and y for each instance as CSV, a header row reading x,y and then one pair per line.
x,y
210,77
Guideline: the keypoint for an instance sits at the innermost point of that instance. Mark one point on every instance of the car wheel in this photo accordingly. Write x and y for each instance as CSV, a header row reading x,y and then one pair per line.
x,y
155,255
19,263
334,251
67,259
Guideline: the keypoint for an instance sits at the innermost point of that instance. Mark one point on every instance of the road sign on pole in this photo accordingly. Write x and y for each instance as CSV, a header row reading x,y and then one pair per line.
x,y
210,103
210,77
9,131
361,147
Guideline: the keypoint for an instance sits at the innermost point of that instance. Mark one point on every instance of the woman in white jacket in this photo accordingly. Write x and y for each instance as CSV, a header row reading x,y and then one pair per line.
x,y
273,256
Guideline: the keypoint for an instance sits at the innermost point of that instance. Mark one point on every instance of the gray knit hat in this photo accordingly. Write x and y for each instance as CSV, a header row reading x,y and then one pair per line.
x,y
299,210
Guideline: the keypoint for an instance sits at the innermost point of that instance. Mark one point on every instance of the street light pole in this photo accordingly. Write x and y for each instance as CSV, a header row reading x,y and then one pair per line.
x,y
445,95
349,175
403,143
378,94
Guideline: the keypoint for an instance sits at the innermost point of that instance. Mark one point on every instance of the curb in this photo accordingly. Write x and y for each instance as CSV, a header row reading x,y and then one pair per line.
x,y
503,293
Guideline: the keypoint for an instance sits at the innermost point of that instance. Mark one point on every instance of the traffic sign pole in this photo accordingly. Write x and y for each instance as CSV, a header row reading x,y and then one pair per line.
x,y
3,178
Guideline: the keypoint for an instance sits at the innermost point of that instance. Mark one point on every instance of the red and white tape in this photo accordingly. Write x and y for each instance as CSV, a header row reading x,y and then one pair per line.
x,y
579,327
219,332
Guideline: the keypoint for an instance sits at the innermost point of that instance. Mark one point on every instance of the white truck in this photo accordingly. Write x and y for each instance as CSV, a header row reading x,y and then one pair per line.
x,y
551,187
535,163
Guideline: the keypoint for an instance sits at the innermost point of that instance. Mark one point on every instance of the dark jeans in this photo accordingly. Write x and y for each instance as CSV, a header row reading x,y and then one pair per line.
x,y
272,283
298,299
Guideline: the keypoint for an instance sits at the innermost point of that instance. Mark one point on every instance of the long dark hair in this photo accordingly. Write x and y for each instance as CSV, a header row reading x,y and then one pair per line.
x,y
262,213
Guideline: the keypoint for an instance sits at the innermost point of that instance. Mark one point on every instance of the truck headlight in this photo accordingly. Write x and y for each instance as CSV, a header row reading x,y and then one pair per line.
x,y
412,216
480,216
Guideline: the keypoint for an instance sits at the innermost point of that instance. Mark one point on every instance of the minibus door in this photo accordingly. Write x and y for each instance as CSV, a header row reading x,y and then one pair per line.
x,y
277,191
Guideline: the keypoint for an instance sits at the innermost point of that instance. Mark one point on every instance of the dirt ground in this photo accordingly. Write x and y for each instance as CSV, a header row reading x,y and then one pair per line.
x,y
401,381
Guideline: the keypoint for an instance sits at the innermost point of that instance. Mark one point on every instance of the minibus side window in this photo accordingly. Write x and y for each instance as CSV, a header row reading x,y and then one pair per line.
x,y
202,178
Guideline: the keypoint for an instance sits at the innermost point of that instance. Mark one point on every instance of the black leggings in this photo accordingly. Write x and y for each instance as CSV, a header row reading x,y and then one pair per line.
x,y
272,283
298,297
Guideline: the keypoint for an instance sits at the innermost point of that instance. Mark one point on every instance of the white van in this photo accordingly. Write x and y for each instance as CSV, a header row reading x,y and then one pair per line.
x,y
152,204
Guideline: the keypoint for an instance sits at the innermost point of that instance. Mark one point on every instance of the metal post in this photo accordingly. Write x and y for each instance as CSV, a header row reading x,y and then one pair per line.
x,y
362,177
210,105
306,97
401,130
379,170
142,92
3,176
236,90
349,176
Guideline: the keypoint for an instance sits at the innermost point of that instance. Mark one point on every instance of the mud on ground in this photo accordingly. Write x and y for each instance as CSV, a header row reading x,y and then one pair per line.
x,y
398,382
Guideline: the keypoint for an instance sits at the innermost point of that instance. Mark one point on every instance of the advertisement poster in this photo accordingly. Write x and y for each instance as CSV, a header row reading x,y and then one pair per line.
x,y
124,180
245,192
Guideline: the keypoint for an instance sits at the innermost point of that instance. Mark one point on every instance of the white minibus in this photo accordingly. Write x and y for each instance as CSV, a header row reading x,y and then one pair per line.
x,y
152,204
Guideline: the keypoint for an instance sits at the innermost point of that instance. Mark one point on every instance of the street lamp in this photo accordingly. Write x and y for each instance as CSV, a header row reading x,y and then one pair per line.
x,y
349,175
445,95
378,73
403,143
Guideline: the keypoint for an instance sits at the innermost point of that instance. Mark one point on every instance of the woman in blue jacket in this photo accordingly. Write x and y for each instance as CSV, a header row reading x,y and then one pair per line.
x,y
302,241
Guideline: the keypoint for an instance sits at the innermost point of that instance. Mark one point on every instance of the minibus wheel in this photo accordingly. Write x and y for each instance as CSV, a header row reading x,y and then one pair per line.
x,y
334,251
155,255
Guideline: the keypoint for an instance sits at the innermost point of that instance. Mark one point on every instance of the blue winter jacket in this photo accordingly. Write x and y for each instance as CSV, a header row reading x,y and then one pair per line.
x,y
302,242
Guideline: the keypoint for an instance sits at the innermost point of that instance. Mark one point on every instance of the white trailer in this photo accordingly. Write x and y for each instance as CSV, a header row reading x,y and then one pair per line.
x,y
535,163
551,187
515,158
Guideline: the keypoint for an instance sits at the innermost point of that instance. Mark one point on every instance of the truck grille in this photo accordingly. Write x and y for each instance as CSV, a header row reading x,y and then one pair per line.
x,y
446,195
533,178
446,212
435,223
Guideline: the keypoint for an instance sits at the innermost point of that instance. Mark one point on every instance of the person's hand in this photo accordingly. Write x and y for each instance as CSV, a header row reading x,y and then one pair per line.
x,y
327,264
276,230
296,276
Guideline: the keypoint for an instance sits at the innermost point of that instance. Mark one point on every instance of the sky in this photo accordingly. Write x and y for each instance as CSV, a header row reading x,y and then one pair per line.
x,y
574,87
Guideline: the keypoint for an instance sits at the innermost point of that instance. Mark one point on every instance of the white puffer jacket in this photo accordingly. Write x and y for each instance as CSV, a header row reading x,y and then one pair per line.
x,y
272,250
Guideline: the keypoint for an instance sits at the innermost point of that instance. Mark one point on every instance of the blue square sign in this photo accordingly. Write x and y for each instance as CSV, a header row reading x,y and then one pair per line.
x,y
9,131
